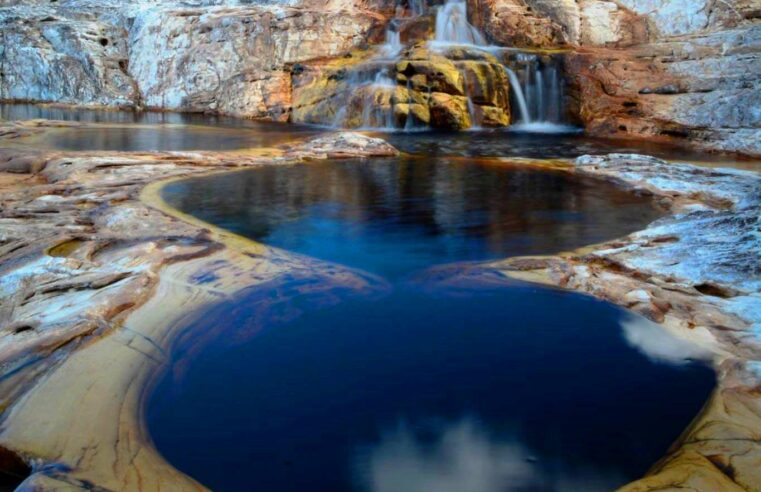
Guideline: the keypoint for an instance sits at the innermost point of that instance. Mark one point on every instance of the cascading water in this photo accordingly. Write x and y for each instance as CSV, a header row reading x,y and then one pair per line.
x,y
538,93
373,89
452,26
515,85
393,45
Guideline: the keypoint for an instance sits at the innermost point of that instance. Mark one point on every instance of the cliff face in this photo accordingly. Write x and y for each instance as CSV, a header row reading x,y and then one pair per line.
x,y
204,57
666,69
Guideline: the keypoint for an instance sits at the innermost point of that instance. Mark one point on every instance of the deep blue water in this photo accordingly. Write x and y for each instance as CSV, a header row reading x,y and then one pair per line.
x,y
419,384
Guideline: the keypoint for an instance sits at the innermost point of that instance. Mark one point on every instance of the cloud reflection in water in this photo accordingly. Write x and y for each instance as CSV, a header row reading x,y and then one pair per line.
x,y
463,457
659,345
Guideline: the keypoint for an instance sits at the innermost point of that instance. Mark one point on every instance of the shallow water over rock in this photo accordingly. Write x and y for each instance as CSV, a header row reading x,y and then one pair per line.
x,y
419,384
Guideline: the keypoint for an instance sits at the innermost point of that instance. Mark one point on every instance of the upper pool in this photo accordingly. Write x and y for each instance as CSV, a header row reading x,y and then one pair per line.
x,y
160,131
418,384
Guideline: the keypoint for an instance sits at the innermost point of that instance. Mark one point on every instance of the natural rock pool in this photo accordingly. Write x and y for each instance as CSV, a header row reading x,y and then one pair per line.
x,y
423,381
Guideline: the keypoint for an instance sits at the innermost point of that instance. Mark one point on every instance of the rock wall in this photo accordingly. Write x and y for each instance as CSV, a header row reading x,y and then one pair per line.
x,y
193,56
234,60
47,57
704,89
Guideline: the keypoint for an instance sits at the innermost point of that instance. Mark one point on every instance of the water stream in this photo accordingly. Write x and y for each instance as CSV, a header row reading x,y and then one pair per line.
x,y
537,92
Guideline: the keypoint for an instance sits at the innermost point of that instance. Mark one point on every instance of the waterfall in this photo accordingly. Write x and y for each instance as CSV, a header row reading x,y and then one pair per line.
x,y
452,26
393,45
536,87
515,85
418,7
539,95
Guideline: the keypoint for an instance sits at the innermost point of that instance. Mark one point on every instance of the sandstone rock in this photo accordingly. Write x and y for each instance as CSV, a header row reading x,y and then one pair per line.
x,y
606,23
565,13
441,75
218,59
491,117
420,114
673,17
486,83
512,23
703,89
449,112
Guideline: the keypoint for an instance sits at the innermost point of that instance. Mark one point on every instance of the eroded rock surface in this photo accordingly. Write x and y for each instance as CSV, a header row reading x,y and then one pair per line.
x,y
702,89
94,284
344,144
201,56
695,272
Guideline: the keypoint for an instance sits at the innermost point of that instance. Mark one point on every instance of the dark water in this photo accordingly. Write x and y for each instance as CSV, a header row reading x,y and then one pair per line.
x,y
130,131
419,385
396,216
506,143
153,131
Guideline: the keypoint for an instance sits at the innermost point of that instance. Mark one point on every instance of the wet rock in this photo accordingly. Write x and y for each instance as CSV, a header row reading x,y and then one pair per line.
x,y
449,112
420,113
438,75
486,83
343,144
491,116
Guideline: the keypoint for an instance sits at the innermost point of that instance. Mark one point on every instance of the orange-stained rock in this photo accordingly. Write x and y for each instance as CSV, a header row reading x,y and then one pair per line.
x,y
512,23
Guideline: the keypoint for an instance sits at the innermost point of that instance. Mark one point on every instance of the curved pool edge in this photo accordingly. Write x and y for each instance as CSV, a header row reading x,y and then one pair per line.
x,y
114,449
685,462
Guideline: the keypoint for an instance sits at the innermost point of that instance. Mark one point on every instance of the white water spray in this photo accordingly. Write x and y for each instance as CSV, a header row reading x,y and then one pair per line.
x,y
515,85
452,26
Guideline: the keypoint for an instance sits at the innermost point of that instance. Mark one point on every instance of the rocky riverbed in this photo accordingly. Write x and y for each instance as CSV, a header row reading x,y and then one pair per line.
x,y
97,275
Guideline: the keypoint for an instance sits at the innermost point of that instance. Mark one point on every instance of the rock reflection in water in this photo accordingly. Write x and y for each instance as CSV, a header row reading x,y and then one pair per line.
x,y
394,216
298,385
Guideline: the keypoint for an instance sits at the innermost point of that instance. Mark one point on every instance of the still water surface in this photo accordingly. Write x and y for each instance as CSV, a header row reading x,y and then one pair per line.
x,y
421,385
155,131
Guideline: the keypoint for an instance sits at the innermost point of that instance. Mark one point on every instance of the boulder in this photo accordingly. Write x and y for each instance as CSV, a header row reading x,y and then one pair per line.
x,y
485,83
420,114
343,144
449,112
491,117
441,75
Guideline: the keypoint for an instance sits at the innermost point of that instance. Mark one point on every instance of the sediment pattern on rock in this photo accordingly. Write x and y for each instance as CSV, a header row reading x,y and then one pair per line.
x,y
94,284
